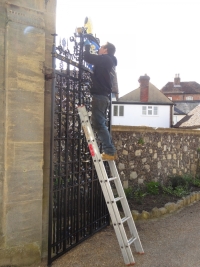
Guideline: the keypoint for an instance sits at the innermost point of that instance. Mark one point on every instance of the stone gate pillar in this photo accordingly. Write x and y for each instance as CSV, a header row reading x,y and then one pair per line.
x,y
25,50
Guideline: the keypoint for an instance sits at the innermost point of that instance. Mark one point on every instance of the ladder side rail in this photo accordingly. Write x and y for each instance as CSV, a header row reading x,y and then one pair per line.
x,y
120,189
128,257
102,176
97,157
116,218
125,206
108,193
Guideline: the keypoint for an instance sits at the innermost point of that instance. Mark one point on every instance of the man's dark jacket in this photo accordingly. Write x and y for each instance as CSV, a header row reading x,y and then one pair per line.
x,y
103,72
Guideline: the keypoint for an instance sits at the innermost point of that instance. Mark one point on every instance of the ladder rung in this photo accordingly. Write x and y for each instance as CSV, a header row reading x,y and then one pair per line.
x,y
131,240
118,198
125,219
112,178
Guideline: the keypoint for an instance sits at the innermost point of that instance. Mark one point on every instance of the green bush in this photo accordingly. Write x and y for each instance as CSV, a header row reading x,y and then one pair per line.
x,y
196,182
188,179
178,191
138,195
153,188
177,180
192,180
128,192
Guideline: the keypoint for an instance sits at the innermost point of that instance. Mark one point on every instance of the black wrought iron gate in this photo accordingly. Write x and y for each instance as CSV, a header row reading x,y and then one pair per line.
x,y
77,208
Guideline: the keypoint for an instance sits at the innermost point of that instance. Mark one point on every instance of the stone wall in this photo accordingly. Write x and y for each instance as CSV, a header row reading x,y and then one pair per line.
x,y
25,49
147,154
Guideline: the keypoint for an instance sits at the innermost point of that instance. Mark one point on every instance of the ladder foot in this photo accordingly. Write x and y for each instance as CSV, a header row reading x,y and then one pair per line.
x,y
140,253
130,264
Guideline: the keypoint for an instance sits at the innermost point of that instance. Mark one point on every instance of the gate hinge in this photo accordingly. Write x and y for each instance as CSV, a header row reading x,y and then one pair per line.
x,y
49,76
48,72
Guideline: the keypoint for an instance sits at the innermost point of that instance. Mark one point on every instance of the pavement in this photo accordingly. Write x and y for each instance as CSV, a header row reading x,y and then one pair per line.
x,y
170,241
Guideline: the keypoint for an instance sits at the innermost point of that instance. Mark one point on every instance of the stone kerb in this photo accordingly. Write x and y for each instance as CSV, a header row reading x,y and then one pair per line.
x,y
168,208
147,154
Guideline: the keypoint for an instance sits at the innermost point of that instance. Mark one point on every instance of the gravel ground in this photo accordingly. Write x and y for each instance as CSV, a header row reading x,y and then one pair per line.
x,y
170,241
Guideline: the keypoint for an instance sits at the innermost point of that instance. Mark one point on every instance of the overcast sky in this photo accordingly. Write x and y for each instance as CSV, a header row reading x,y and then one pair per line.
x,y
158,37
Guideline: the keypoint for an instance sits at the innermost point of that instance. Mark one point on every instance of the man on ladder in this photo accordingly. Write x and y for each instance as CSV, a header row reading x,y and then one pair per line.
x,y
102,78
118,219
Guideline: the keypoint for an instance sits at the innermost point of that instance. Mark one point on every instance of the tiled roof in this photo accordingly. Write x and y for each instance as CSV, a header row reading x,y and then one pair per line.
x,y
191,120
178,111
184,107
185,88
155,96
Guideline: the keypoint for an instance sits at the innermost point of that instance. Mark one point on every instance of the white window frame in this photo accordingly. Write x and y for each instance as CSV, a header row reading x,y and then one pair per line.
x,y
150,110
189,97
155,110
144,110
115,110
118,110
121,111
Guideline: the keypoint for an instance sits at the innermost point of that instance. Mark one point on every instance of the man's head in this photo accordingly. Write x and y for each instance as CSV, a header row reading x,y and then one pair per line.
x,y
108,48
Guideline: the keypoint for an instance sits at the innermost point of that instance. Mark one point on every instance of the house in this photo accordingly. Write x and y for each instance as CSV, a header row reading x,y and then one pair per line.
x,y
181,91
191,120
182,108
185,96
144,106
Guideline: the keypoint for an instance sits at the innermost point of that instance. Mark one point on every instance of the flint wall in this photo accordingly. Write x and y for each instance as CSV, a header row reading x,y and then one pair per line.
x,y
147,154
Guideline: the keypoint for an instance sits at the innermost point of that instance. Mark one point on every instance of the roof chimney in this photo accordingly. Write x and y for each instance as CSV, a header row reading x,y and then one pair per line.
x,y
177,81
144,88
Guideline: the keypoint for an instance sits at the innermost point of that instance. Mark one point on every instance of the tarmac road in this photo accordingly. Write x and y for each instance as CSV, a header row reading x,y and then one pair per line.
x,y
170,241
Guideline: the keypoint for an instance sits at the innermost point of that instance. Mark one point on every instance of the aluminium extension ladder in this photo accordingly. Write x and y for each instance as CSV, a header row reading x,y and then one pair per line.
x,y
124,240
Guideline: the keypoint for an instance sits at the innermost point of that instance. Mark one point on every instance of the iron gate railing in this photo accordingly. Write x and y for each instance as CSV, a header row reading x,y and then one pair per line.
x,y
77,208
